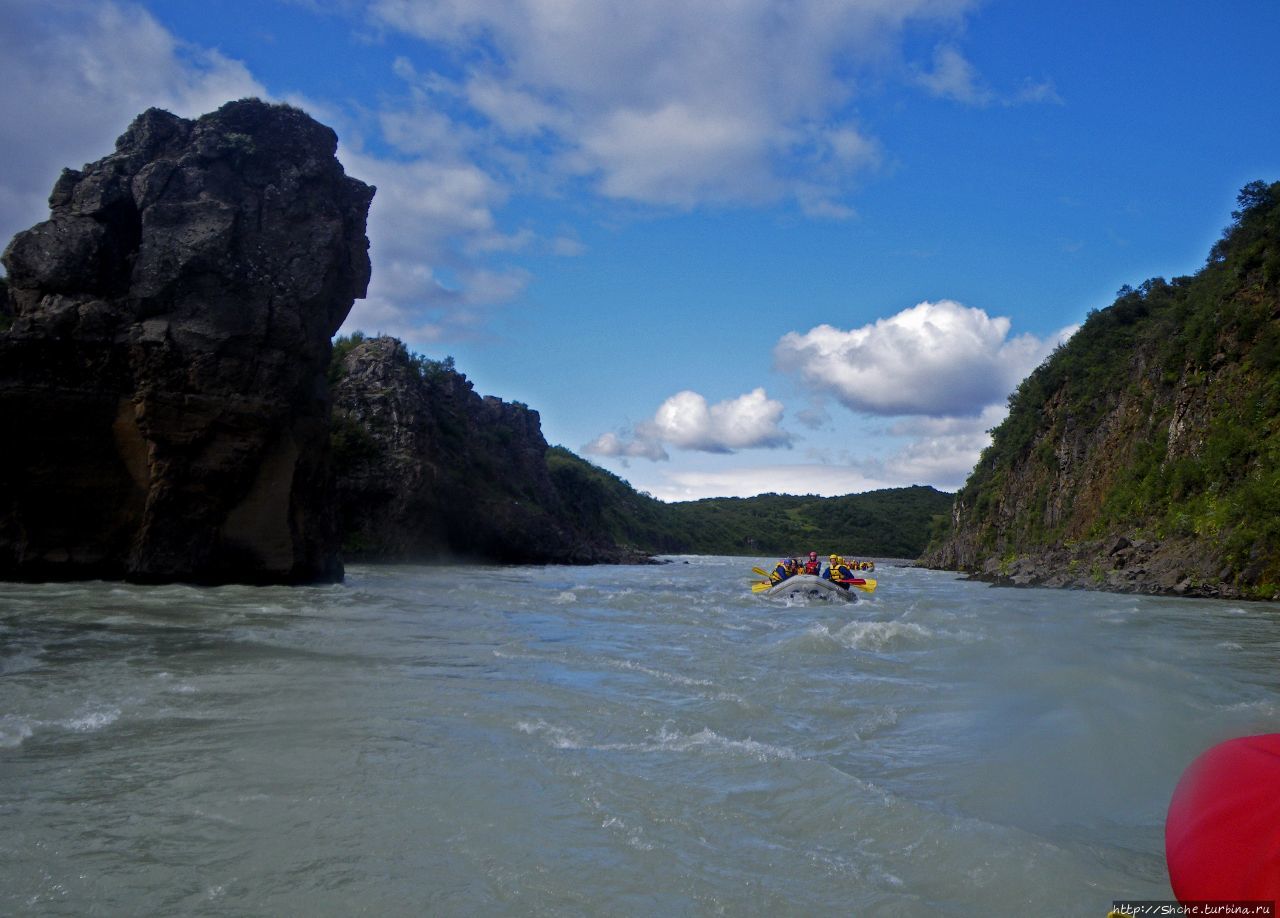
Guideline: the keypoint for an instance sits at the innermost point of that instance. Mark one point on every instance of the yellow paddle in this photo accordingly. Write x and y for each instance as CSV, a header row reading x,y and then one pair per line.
x,y
759,587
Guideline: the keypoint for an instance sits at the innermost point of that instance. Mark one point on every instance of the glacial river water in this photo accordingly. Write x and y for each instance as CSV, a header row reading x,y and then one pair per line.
x,y
605,741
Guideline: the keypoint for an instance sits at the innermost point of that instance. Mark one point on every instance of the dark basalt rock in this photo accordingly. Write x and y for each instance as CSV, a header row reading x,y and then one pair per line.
x,y
427,469
162,384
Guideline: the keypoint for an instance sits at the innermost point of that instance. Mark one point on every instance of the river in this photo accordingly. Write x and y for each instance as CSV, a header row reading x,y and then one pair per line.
x,y
605,741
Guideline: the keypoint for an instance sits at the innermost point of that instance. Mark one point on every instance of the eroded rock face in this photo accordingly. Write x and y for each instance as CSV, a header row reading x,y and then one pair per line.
x,y
430,470
162,387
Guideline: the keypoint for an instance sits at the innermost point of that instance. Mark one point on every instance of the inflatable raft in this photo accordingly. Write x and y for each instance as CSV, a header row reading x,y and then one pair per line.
x,y
809,585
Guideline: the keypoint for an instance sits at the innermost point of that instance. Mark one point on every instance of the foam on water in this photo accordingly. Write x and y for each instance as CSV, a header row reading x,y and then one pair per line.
x,y
90,721
881,636
667,739
14,730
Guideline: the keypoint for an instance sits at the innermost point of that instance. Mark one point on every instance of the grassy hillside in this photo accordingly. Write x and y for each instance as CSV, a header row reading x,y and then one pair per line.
x,y
888,523
1159,419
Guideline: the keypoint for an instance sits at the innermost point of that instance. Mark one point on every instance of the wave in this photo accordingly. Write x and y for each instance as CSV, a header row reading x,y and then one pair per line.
x,y
90,722
559,737
14,731
873,636
879,636
707,739
659,674
666,740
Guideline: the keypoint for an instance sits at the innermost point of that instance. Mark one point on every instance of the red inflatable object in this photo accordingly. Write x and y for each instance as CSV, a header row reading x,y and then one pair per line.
x,y
1222,833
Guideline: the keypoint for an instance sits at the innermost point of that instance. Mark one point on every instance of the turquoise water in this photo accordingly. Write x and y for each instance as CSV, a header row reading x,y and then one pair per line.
x,y
605,741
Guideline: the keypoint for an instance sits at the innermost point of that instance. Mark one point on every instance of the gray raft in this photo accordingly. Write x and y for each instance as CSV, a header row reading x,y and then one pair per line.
x,y
809,585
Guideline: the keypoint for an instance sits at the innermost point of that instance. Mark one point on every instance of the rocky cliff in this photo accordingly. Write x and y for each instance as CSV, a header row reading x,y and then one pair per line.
x,y
162,379
428,469
1144,455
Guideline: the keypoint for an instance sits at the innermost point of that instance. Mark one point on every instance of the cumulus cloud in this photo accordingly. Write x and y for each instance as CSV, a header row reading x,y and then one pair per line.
x,y
940,373
674,103
943,451
940,452
937,359
676,154
944,464
430,229
686,421
75,74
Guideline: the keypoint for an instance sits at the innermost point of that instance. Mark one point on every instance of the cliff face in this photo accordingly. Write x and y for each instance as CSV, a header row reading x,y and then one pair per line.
x,y
162,384
1144,455
427,468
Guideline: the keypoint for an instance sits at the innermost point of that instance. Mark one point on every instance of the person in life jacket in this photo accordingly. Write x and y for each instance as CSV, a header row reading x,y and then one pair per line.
x,y
813,565
1222,831
786,568
838,570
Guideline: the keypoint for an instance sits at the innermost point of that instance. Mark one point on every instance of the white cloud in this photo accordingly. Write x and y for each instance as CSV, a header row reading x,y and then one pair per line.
x,y
793,478
430,229
1034,93
686,421
676,155
669,102
515,111
75,74
943,462
935,359
954,77
611,444
943,451
938,373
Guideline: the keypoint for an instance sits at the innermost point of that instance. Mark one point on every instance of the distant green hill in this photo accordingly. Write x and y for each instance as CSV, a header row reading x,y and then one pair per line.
x,y
888,523
1144,454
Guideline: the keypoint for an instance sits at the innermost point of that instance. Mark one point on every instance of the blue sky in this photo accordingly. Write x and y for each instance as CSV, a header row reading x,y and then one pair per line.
x,y
723,247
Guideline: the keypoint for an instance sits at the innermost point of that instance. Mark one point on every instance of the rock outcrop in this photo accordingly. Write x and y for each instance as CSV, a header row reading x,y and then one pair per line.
x,y
427,469
162,384
1144,455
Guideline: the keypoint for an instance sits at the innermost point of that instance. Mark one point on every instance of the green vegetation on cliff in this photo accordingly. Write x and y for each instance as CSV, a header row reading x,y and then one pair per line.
x,y
1159,418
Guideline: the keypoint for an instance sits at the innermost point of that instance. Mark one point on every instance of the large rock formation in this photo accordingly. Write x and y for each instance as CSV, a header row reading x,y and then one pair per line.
x,y
1144,455
428,469
162,384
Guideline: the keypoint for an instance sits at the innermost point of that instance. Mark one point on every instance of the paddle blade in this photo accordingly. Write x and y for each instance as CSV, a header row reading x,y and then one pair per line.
x,y
759,587
867,586
762,573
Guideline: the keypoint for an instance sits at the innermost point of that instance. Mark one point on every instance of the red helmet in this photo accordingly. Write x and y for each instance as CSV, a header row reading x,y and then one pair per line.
x,y
813,554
